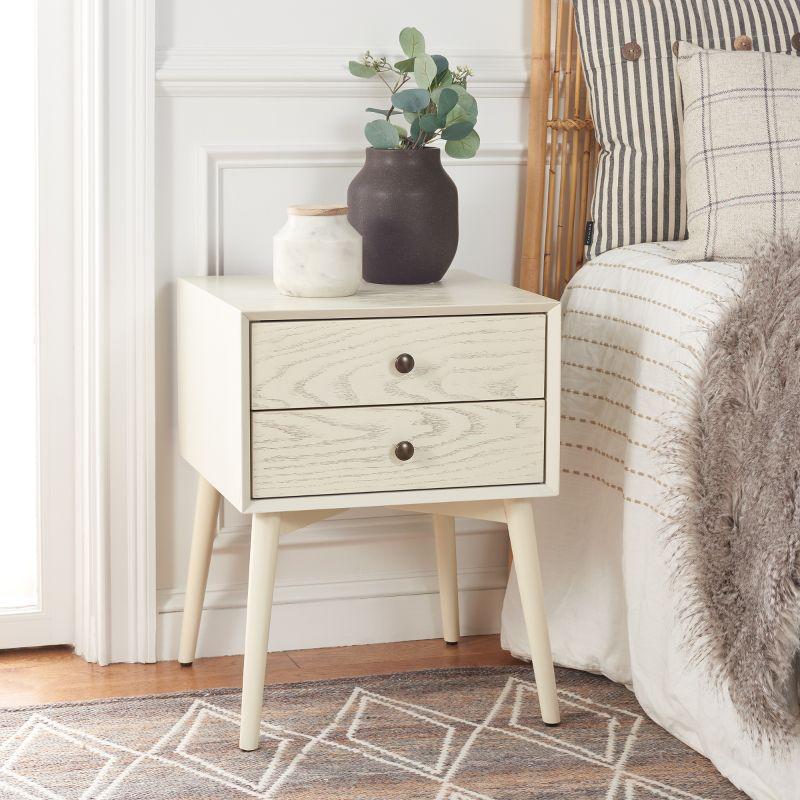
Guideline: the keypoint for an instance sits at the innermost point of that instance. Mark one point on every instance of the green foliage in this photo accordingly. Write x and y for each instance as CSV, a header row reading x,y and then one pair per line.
x,y
361,70
446,100
456,131
382,135
440,108
424,71
466,110
464,148
412,42
430,123
411,99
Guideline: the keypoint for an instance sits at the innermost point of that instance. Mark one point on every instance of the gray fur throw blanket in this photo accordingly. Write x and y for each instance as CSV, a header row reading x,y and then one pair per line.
x,y
735,530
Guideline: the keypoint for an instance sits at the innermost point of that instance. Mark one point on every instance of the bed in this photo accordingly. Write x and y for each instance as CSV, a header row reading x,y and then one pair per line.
x,y
635,321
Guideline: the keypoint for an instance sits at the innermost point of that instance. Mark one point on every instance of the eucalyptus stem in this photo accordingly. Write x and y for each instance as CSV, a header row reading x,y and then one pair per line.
x,y
385,83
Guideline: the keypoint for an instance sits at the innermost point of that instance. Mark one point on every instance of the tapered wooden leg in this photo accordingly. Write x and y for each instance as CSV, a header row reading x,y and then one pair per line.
x,y
261,582
205,529
444,530
522,533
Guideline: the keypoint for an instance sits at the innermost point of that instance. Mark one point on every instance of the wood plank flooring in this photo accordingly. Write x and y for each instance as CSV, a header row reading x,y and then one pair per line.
x,y
55,674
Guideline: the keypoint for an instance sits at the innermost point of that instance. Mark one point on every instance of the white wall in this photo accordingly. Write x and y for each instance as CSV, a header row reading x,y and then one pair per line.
x,y
255,110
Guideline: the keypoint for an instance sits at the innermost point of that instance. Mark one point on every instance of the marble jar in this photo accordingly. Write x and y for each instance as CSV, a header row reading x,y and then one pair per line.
x,y
317,253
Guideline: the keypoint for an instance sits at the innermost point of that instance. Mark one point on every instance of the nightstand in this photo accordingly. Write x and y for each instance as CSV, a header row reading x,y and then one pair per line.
x,y
442,399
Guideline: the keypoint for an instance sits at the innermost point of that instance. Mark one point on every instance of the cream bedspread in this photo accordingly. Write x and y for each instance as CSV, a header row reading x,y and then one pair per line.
x,y
633,321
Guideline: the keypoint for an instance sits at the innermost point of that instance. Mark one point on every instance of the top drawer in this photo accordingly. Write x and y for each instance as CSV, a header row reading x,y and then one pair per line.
x,y
317,363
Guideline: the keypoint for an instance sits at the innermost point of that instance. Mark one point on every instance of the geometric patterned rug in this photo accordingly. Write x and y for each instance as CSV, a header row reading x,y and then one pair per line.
x,y
455,734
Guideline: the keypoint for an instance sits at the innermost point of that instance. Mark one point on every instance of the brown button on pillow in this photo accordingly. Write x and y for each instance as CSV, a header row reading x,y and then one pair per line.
x,y
639,195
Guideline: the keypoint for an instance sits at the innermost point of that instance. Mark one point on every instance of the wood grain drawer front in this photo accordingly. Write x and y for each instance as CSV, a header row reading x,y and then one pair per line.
x,y
319,363
352,450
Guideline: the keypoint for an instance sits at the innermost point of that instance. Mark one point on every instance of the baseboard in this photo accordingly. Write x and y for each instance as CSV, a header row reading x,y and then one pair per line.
x,y
389,609
376,600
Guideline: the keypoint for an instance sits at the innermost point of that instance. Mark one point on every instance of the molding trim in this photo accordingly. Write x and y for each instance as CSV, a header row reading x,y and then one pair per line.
x,y
92,596
115,402
289,72
139,253
213,161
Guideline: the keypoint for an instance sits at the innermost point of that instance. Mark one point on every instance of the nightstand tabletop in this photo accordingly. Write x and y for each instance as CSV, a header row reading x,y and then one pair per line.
x,y
459,292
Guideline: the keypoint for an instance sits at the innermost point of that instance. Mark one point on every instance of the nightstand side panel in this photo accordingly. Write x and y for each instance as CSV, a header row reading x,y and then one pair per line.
x,y
214,390
552,443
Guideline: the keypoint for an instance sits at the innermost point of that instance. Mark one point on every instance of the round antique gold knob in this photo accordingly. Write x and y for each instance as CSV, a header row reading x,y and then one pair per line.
x,y
404,450
404,363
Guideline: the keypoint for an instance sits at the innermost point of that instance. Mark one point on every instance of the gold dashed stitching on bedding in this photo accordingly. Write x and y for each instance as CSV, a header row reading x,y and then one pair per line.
x,y
612,402
616,488
609,429
620,461
673,259
625,350
633,325
616,375
640,297
658,275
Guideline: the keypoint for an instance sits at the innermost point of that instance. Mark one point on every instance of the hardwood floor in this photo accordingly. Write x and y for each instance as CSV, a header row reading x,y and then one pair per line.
x,y
55,674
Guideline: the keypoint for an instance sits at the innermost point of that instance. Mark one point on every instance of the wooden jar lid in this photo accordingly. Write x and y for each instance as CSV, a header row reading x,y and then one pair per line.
x,y
317,211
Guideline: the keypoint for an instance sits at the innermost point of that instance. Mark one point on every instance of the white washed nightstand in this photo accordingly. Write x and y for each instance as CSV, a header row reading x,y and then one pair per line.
x,y
442,399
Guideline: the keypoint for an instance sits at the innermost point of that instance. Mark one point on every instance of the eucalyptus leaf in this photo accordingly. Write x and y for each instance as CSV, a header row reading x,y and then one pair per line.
x,y
383,111
411,99
464,148
415,126
406,65
430,123
382,135
442,64
465,111
446,100
445,79
401,131
424,71
412,42
456,131
361,70
468,103
410,116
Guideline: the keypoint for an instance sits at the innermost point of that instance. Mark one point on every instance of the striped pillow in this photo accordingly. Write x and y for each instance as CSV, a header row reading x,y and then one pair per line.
x,y
628,58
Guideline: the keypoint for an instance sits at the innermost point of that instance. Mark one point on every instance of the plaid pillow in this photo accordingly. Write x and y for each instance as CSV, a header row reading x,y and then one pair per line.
x,y
741,146
628,58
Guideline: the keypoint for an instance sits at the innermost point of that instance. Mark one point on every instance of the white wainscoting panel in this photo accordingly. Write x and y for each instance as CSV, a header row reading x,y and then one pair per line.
x,y
243,193
255,110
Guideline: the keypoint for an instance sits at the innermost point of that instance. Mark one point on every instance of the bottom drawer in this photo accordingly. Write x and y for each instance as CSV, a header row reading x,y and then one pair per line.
x,y
352,450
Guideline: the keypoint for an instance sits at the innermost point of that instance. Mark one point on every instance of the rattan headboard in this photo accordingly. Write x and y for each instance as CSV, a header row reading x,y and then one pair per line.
x,y
562,153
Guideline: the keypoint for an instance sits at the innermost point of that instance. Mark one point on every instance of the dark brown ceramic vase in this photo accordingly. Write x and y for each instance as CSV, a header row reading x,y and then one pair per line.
x,y
405,206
